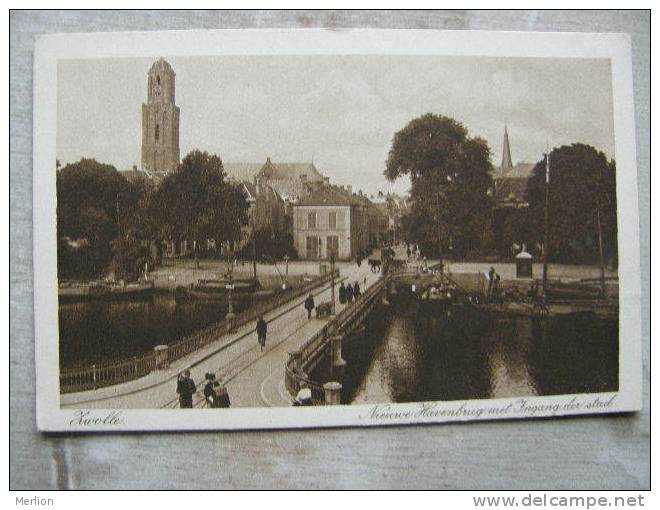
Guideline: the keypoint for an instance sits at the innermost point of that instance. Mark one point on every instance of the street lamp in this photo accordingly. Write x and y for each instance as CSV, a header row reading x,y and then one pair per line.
x,y
286,273
230,289
546,226
332,281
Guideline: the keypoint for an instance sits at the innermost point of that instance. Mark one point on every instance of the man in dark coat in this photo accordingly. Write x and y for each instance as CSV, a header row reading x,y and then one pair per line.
x,y
185,387
216,393
309,305
356,290
349,293
491,279
342,293
262,328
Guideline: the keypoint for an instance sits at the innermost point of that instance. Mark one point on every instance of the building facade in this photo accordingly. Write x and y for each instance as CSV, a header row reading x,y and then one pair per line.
x,y
330,220
160,121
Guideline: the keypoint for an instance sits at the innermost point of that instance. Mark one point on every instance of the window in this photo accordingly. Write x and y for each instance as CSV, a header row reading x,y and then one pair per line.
x,y
332,246
312,247
311,220
157,134
158,80
332,220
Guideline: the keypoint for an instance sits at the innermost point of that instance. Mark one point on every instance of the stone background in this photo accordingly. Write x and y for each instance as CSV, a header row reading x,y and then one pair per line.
x,y
582,452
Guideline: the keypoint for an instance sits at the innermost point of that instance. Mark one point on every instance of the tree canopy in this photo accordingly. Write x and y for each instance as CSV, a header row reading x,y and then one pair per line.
x,y
451,184
88,193
582,183
197,203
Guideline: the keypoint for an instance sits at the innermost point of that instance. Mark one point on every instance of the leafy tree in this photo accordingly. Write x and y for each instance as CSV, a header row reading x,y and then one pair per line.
x,y
87,198
197,204
582,185
450,177
130,256
271,245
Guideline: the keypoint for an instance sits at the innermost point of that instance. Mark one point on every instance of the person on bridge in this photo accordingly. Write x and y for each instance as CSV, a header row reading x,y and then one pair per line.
x,y
309,305
221,395
216,393
304,396
356,291
185,387
349,293
342,293
262,329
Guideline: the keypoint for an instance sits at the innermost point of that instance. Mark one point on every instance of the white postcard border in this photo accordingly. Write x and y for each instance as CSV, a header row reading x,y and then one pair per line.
x,y
50,48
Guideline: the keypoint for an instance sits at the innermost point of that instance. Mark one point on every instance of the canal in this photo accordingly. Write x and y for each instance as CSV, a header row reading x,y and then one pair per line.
x,y
406,355
101,331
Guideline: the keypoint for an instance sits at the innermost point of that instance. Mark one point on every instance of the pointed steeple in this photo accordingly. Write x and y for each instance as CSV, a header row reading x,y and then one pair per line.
x,y
506,153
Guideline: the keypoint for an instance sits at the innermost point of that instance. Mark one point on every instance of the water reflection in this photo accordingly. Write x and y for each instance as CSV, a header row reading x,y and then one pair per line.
x,y
408,355
95,331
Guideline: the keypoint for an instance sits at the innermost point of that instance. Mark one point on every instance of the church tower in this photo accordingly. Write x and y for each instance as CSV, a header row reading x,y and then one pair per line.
x,y
160,121
506,153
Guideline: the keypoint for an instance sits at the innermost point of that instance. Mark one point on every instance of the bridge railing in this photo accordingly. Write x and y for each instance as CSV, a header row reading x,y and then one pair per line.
x,y
120,371
317,345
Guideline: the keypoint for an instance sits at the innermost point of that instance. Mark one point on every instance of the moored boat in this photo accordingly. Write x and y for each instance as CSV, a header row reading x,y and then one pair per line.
x,y
76,292
242,289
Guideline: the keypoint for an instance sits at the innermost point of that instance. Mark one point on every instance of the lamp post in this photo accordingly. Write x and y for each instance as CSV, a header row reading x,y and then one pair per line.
x,y
546,227
286,273
332,280
230,289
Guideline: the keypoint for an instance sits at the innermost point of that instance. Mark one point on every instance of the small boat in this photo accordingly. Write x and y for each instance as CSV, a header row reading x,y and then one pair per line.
x,y
559,292
242,290
78,292
434,299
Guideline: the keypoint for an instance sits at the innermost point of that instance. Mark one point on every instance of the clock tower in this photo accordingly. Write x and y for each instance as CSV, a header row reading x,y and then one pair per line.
x,y
160,121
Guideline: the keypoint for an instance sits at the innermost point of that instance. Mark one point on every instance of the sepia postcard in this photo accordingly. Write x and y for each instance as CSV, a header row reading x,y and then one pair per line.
x,y
257,229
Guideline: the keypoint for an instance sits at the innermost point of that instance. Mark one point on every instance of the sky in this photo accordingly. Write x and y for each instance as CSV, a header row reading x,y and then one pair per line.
x,y
341,112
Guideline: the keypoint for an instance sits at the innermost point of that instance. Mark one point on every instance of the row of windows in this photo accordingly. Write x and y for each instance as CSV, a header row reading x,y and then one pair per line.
x,y
332,219
314,246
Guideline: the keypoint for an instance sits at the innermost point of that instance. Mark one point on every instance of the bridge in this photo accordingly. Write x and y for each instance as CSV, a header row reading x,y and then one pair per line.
x,y
253,378
296,349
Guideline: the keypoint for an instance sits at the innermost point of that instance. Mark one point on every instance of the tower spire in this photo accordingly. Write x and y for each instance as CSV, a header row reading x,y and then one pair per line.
x,y
506,152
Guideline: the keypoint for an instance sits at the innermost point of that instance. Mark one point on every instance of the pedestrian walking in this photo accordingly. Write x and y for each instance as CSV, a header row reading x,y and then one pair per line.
x,y
349,293
216,393
356,290
342,293
209,392
309,305
491,279
408,252
262,329
185,387
222,395
496,288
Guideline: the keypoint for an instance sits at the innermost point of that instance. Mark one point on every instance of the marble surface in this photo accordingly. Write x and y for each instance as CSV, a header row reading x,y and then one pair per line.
x,y
582,452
